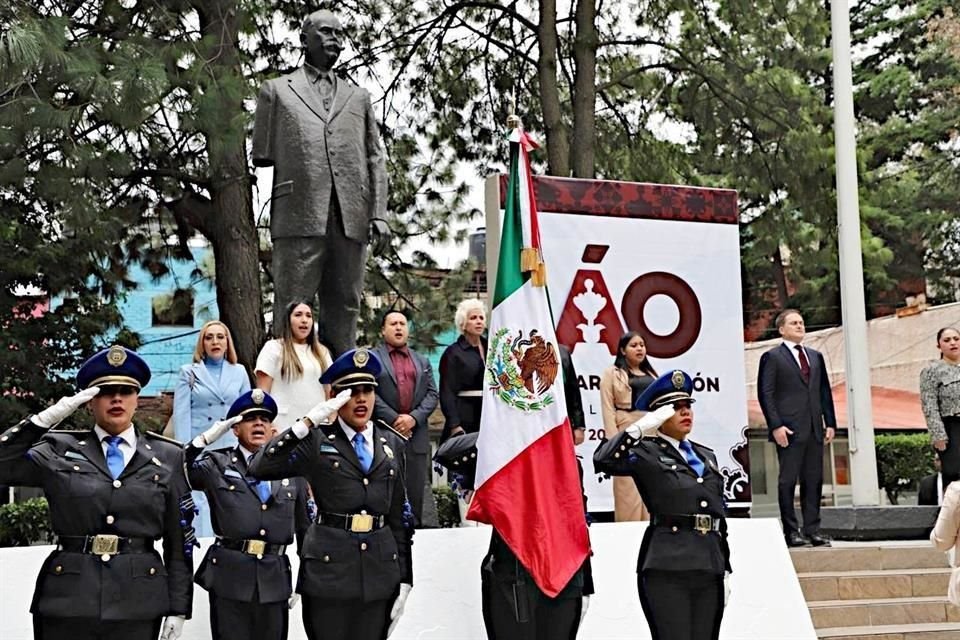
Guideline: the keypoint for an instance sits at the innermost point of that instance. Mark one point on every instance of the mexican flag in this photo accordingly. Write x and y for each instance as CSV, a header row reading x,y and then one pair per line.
x,y
527,483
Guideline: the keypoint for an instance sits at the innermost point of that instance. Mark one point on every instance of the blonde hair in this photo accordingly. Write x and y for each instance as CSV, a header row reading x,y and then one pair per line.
x,y
464,309
199,353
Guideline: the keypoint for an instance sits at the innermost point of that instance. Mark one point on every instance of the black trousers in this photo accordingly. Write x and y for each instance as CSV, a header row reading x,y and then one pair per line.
x,y
802,460
345,619
541,618
236,620
682,605
416,482
950,457
47,628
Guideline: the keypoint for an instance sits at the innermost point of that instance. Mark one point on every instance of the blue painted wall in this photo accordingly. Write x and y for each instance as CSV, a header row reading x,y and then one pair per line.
x,y
168,347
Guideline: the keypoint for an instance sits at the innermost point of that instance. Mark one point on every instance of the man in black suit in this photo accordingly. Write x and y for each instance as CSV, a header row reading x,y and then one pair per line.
x,y
797,404
406,396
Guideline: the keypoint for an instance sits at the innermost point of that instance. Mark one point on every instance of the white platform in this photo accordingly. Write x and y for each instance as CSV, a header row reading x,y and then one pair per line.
x,y
766,600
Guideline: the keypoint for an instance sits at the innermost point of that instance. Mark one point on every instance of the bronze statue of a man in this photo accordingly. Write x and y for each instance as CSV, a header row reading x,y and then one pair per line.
x,y
320,135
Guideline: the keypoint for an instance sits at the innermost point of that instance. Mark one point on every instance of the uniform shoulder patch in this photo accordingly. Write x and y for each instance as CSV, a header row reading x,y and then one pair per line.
x,y
162,438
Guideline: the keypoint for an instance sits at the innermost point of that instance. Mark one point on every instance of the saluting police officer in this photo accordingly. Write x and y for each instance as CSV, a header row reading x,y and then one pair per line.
x,y
684,555
112,493
356,570
246,570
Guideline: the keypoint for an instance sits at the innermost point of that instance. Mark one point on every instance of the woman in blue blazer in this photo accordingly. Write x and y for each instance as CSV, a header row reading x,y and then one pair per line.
x,y
205,390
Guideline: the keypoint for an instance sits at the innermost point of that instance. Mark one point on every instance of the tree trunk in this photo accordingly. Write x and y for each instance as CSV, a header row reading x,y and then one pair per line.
x,y
229,225
780,277
558,146
584,89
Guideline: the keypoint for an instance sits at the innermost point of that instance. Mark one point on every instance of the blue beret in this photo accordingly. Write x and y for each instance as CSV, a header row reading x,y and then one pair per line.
x,y
254,401
116,365
671,387
354,368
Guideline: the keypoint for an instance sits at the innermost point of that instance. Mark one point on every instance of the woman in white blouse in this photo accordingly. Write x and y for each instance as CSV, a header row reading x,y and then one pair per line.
x,y
289,367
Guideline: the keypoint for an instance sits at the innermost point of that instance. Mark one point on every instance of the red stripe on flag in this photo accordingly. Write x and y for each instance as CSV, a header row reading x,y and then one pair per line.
x,y
536,504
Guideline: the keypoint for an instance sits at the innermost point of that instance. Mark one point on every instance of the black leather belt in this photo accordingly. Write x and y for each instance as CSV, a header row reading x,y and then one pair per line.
x,y
104,544
252,547
362,522
700,522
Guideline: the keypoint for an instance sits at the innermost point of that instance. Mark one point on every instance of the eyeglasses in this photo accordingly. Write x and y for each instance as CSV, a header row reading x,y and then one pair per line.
x,y
116,390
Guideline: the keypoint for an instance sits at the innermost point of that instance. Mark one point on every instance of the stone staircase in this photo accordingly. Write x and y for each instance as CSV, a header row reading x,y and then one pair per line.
x,y
877,591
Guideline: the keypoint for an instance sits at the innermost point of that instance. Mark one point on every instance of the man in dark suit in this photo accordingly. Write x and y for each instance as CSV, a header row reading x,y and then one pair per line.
x,y
319,133
246,570
406,396
797,404
356,570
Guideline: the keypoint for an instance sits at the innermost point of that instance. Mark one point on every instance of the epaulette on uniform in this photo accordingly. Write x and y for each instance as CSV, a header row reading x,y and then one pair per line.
x,y
157,436
73,432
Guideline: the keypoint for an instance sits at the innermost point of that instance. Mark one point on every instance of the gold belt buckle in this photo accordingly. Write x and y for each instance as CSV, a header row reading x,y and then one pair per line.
x,y
361,523
105,544
703,523
254,547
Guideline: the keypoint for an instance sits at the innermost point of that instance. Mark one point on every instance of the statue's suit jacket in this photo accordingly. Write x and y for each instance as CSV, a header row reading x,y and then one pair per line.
x,y
316,154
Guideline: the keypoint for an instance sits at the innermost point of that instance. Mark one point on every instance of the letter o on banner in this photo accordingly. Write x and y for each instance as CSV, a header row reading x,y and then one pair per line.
x,y
691,318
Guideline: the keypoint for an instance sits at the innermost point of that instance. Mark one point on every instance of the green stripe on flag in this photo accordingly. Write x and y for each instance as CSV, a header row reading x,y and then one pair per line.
x,y
509,276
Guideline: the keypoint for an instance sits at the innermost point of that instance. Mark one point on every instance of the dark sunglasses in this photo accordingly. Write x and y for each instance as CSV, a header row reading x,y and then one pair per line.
x,y
116,390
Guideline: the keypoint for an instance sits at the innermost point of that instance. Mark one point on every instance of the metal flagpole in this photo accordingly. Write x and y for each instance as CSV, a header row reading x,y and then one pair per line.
x,y
863,456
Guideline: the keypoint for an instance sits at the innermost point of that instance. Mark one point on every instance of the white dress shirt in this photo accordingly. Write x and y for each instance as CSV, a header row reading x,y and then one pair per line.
x,y
127,447
367,435
796,354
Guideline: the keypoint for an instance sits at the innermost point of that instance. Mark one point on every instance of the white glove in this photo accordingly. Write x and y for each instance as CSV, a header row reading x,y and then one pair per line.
x,y
320,413
292,602
650,422
172,627
398,604
214,433
584,605
726,588
64,408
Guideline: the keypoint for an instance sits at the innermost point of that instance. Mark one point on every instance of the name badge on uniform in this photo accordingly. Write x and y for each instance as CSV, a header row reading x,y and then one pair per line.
x,y
73,455
232,473
328,448
156,461
667,460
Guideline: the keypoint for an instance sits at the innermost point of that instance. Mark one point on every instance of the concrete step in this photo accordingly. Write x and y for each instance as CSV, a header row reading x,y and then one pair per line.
x,y
861,585
882,611
929,631
867,557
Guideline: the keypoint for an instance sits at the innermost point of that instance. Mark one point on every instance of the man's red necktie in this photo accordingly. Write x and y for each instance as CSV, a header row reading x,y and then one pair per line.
x,y
804,364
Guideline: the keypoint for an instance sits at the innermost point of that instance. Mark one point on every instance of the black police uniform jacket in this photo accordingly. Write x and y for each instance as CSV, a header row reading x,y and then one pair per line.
x,y
336,564
238,514
149,500
669,486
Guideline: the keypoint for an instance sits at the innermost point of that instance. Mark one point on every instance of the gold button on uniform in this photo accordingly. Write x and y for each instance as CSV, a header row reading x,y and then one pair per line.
x,y
110,519
58,569
153,571
326,558
263,532
674,529
76,468
263,507
231,487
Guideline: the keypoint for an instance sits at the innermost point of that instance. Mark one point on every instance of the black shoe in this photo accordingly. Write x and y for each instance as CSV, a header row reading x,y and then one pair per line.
x,y
795,539
818,540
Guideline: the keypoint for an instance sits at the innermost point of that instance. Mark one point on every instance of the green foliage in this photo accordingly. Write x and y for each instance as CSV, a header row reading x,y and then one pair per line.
x,y
901,461
25,523
448,508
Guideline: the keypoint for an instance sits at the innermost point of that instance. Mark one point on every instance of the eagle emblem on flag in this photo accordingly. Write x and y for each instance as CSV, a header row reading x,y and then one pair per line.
x,y
522,370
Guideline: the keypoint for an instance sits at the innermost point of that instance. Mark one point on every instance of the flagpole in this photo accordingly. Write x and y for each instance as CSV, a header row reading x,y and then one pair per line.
x,y
863,458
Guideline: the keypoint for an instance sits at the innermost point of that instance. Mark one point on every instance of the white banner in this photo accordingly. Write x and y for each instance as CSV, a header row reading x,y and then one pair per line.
x,y
697,266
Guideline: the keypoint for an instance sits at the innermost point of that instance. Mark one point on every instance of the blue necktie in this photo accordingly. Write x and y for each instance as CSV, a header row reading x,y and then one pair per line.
x,y
263,487
361,448
695,463
114,457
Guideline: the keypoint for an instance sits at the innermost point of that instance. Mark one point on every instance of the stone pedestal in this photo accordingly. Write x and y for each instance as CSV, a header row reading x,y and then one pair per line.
x,y
878,523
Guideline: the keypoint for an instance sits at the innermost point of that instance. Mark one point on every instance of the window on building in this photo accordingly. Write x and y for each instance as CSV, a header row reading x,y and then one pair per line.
x,y
173,309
